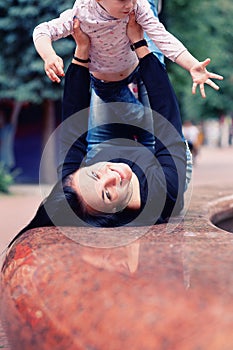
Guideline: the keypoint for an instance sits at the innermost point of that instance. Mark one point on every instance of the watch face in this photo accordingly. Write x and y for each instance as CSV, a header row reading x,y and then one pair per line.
x,y
132,47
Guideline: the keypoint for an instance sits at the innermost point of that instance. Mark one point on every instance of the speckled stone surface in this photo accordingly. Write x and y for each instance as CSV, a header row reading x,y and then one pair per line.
x,y
167,290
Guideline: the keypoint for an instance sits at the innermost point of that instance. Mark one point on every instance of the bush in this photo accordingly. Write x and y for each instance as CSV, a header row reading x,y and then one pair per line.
x,y
6,179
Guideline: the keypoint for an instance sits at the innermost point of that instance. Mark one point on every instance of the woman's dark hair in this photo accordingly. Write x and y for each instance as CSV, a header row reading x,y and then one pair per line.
x,y
62,203
77,205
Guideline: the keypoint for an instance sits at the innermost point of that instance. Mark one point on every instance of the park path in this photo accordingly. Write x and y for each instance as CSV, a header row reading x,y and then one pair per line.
x,y
214,166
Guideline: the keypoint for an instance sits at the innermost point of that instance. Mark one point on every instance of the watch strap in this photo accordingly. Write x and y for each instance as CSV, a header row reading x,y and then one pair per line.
x,y
81,60
138,44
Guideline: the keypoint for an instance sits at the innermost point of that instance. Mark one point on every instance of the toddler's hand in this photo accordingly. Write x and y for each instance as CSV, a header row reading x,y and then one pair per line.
x,y
201,76
54,68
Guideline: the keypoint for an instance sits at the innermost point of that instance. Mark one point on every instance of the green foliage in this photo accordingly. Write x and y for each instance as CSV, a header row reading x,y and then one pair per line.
x,y
6,179
202,25
204,28
22,75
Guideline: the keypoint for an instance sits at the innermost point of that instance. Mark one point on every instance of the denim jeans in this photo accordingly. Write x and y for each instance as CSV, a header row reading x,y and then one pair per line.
x,y
189,166
114,102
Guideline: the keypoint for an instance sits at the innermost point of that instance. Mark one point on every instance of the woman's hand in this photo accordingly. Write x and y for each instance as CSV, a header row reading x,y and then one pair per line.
x,y
201,76
83,43
134,31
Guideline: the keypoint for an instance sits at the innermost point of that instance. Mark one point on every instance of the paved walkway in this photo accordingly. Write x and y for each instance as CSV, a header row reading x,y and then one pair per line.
x,y
16,210
213,166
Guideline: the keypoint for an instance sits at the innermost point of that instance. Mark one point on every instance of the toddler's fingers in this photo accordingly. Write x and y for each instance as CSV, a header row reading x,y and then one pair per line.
x,y
58,68
216,76
194,88
52,76
202,90
212,84
206,62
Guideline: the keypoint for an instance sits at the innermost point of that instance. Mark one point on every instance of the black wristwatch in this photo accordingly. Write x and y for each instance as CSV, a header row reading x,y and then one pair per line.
x,y
138,44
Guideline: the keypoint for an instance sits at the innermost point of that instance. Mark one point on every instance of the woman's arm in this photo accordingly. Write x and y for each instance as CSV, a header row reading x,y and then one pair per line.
x,y
75,107
169,147
167,120
75,112
76,95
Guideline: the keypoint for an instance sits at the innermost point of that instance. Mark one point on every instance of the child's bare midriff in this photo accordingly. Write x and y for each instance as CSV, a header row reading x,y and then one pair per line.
x,y
108,77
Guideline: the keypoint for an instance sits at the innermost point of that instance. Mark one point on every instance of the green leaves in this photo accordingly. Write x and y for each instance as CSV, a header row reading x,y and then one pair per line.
x,y
204,28
6,179
22,75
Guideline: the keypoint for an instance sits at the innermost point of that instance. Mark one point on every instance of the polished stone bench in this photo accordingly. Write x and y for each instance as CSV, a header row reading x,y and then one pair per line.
x,y
142,289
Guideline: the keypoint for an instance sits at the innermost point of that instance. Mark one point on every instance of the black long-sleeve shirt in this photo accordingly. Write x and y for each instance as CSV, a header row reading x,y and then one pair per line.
x,y
161,174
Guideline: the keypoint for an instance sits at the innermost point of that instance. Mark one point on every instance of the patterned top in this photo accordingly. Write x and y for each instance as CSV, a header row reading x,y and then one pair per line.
x,y
110,47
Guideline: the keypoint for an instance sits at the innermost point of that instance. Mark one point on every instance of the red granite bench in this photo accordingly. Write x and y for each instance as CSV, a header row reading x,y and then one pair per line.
x,y
110,290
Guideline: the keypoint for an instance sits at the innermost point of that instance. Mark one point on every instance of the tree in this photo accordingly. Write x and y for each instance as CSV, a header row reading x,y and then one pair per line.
x,y
22,76
22,73
203,27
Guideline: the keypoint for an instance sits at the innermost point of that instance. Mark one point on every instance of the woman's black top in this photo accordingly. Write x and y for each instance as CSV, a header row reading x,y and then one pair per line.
x,y
161,173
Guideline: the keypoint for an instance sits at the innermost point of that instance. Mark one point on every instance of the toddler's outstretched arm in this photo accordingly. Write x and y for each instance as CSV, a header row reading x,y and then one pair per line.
x,y
53,64
198,71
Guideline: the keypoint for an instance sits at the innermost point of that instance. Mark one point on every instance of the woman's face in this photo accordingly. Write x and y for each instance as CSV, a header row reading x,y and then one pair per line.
x,y
105,187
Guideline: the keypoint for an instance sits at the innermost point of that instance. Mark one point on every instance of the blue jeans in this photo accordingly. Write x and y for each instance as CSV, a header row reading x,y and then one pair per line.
x,y
114,102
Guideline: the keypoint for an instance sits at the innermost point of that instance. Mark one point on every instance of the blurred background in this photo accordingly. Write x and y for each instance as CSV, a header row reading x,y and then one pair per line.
x,y
30,104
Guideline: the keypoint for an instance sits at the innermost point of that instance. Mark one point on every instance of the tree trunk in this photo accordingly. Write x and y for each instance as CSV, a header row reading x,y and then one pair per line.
x,y
7,156
48,171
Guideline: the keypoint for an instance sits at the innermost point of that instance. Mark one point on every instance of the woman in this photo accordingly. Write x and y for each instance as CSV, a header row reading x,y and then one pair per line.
x,y
125,183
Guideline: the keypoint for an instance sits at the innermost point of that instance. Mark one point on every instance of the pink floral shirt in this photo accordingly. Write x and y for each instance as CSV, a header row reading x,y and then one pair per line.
x,y
110,47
